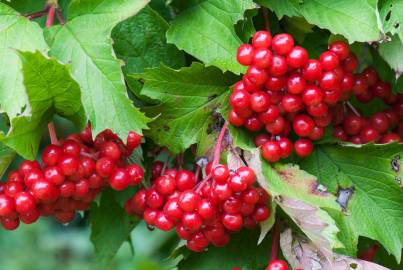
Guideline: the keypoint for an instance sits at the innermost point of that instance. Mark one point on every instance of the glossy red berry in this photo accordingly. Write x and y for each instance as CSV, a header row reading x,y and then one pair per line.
x,y
261,213
259,101
261,139
380,122
303,147
312,70
275,83
303,125
268,116
188,200
45,191
312,95
6,205
192,221
262,58
329,81
51,155
119,179
68,165
278,66
240,99
286,147
282,44
110,150
340,48
329,60
245,54
163,223
277,265
277,126
133,140
352,124
369,134
296,83
261,39
233,222
24,202
297,57
271,151
350,63
206,210
220,173
291,103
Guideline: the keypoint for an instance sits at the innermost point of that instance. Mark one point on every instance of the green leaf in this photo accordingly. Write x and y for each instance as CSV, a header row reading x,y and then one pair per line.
x,y
188,97
110,227
16,33
84,41
207,32
50,90
375,209
140,41
392,52
6,157
242,252
356,20
391,13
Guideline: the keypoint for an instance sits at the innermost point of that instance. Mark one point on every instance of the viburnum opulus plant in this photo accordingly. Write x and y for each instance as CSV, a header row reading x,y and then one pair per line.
x,y
250,134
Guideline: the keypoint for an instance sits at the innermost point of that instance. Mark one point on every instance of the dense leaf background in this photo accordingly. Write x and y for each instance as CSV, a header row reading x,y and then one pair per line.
x,y
165,69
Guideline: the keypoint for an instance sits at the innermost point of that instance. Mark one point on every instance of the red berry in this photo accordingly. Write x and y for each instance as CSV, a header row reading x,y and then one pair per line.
x,y
303,147
331,97
261,213
347,82
268,116
285,147
136,174
110,150
67,189
68,165
6,205
237,183
370,75
188,200
380,122
198,242
246,174
233,222
259,101
319,110
329,60
64,216
156,169
271,151
278,66
352,124
119,179
261,139
150,215
183,232
24,202
250,196
329,81
282,44
390,137
350,63
261,39
296,83
45,191
222,191
172,209
277,265
185,180
240,99
86,166
275,83
381,89
165,184
312,71
51,155
82,188
71,148
291,103
312,95
10,223
317,133
232,205
303,125
33,176
235,119
104,166
277,126
192,221
340,48
262,58
163,223
253,124
297,57
206,210
360,84
27,166
30,217
220,173
133,140
256,75
369,134
245,54
339,133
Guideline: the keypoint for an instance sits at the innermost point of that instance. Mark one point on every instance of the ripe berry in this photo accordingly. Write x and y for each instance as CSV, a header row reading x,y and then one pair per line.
x,y
250,196
262,58
82,188
259,101
246,174
296,83
110,150
370,75
303,147
237,183
104,166
188,200
317,133
271,151
303,125
253,124
192,221
27,166
240,99
340,48
163,223
71,148
277,265
369,134
245,54
256,75
172,209
350,63
312,71
233,222
352,124
44,191
68,165
24,202
67,189
285,147
297,57
206,209
222,191
390,137
119,179
319,110
347,82
12,188
277,126
329,60
261,39
278,66
220,173
282,44
165,184
329,81
312,95
261,213
51,154
268,116
380,122
291,103
275,83
136,174
381,89
261,139
10,223
6,205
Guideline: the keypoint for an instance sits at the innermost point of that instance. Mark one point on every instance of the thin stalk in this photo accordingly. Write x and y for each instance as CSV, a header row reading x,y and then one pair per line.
x,y
274,241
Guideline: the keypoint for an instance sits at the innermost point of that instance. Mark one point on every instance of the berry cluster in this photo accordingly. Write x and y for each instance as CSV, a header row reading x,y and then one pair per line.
x,y
71,175
203,212
283,91
381,127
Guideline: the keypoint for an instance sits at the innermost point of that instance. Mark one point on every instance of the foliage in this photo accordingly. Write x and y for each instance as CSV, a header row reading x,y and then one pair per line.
x,y
165,69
